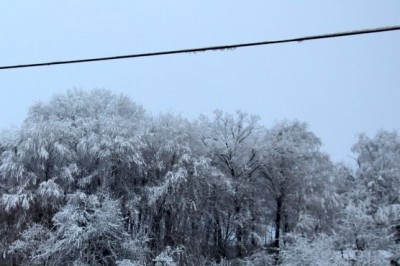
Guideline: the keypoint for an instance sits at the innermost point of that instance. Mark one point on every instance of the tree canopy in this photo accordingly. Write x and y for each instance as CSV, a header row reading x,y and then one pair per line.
x,y
90,178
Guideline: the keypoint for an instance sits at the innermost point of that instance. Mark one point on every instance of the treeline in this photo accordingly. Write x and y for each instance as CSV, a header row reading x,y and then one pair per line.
x,y
91,179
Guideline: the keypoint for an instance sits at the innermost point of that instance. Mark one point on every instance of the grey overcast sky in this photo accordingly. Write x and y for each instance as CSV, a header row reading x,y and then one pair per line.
x,y
340,87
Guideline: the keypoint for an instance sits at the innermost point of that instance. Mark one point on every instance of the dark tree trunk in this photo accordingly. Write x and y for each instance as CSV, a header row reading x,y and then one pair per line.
x,y
168,239
239,231
286,228
218,241
278,220
240,241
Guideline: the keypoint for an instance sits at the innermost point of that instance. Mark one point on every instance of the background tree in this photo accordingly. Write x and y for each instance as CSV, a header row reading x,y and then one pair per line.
x,y
88,230
378,176
90,179
290,163
77,141
233,144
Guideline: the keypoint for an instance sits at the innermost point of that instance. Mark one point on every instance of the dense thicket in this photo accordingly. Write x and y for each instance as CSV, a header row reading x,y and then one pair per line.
x,y
91,179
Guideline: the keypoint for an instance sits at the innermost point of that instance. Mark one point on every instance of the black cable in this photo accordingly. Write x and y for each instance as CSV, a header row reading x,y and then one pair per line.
x,y
211,48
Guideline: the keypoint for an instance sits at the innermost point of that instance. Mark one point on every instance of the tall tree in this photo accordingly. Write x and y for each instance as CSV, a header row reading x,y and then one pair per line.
x,y
232,141
288,161
78,141
378,174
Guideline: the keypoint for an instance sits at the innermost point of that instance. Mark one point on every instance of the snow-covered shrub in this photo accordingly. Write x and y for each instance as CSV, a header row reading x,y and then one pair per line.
x,y
165,258
88,230
126,263
260,258
29,241
316,252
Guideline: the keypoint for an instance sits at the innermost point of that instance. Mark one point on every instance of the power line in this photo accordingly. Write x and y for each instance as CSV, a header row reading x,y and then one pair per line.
x,y
205,49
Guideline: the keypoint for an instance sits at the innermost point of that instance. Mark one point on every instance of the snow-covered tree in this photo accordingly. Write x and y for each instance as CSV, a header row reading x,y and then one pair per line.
x,y
77,141
88,229
318,203
90,179
232,141
292,167
316,251
371,219
379,168
180,203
